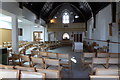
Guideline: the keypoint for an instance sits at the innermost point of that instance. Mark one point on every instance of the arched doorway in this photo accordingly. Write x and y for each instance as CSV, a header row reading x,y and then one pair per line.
x,y
66,36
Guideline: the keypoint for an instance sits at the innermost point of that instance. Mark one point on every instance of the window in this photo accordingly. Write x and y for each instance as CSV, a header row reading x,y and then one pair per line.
x,y
66,36
65,18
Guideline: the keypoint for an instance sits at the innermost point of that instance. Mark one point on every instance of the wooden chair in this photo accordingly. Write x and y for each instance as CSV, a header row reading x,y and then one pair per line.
x,y
52,64
52,55
32,75
65,60
86,59
6,73
50,73
98,63
37,62
25,61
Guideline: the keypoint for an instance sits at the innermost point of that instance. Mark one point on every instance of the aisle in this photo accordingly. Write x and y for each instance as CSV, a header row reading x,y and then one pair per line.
x,y
76,72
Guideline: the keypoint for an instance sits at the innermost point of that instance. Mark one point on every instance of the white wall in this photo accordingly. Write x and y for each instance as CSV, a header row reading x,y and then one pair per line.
x,y
28,29
89,28
26,25
59,35
101,32
103,18
13,7
5,25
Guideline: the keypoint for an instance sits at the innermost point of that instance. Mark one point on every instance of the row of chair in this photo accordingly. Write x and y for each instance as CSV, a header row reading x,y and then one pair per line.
x,y
64,58
42,61
104,63
26,72
91,58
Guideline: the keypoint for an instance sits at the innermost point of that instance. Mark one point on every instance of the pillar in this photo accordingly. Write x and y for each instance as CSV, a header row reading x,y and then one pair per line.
x,y
15,34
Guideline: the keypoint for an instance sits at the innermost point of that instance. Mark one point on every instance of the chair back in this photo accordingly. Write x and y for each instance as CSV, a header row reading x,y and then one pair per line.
x,y
102,55
25,58
99,61
25,68
6,67
102,77
113,61
114,55
6,73
52,55
50,73
63,56
25,74
88,55
36,60
51,62
111,72
43,54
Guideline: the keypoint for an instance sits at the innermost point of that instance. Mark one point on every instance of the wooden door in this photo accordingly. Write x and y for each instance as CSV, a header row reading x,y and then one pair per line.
x,y
37,36
77,37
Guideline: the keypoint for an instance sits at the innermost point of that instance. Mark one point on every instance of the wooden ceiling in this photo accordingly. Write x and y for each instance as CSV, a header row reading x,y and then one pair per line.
x,y
47,10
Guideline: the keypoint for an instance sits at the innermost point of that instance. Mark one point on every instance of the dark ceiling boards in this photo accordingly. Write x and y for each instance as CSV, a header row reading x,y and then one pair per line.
x,y
47,10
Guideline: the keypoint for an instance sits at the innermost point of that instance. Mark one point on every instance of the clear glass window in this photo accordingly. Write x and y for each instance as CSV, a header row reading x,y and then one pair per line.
x,y
65,18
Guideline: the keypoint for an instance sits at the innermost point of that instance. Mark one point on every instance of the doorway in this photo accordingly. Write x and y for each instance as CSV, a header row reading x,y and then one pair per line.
x,y
77,37
37,36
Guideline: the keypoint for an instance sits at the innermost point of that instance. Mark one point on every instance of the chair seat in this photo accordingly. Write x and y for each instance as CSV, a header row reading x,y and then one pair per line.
x,y
64,61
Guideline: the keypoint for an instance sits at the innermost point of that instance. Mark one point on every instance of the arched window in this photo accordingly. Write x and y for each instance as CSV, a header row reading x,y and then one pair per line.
x,y
65,18
66,36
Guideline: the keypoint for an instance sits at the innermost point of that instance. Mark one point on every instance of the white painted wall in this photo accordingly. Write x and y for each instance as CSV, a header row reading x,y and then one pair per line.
x,y
101,32
59,35
5,25
26,25
13,7
89,28
28,29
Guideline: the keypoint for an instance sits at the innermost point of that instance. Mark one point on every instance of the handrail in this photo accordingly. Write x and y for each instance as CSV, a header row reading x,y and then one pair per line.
x,y
102,40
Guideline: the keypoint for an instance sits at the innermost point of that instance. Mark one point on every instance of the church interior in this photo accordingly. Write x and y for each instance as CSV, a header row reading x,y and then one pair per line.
x,y
59,40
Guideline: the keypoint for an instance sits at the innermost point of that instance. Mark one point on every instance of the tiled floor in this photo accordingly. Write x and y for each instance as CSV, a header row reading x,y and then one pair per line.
x,y
76,72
